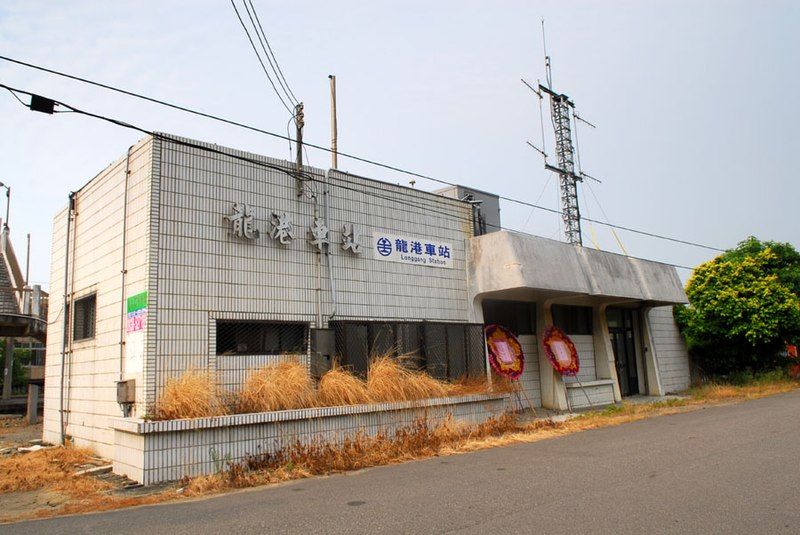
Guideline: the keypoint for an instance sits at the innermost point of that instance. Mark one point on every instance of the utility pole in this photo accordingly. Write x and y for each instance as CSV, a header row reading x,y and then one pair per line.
x,y
299,122
334,131
28,259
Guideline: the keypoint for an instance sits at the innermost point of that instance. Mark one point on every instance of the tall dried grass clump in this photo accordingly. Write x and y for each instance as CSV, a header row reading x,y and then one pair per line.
x,y
277,387
340,387
388,380
194,394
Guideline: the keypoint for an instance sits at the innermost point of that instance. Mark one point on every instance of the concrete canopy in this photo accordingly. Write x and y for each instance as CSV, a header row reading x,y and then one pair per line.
x,y
506,261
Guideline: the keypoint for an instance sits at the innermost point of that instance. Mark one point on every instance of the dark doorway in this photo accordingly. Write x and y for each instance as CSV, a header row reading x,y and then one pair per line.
x,y
620,327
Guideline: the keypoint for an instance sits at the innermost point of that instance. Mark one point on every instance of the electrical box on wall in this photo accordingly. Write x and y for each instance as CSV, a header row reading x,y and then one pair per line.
x,y
323,348
126,395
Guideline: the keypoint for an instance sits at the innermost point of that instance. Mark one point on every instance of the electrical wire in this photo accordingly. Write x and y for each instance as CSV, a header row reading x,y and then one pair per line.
x,y
17,97
263,67
280,71
342,154
303,175
264,48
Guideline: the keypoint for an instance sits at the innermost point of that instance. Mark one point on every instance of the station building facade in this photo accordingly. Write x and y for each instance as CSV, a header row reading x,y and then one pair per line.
x,y
188,255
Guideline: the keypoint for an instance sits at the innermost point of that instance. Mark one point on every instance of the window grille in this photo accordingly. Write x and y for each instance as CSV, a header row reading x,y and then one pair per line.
x,y
446,351
261,338
83,321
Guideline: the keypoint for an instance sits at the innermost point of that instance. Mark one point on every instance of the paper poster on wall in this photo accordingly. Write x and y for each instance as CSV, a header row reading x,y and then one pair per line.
x,y
136,321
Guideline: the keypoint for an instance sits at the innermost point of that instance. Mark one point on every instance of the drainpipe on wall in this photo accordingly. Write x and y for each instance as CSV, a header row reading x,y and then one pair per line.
x,y
124,269
328,255
319,268
65,311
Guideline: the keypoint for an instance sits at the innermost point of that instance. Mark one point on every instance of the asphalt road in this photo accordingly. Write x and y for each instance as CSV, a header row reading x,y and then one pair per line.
x,y
726,469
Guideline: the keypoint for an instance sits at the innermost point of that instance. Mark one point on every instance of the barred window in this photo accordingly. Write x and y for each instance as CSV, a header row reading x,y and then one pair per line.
x,y
443,350
84,317
261,338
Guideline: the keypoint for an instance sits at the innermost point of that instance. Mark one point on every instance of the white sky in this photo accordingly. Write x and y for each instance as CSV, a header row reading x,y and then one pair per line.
x,y
695,102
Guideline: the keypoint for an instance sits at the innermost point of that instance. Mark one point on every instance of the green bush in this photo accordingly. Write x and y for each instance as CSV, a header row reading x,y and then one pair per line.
x,y
744,306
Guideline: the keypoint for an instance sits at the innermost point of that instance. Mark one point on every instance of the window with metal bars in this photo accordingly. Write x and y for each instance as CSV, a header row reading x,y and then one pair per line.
x,y
443,350
261,338
84,316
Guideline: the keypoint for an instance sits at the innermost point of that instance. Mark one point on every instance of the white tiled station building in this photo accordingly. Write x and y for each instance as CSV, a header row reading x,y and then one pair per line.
x,y
187,255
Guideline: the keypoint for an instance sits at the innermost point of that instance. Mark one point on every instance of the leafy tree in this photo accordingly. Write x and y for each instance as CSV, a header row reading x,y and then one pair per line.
x,y
744,306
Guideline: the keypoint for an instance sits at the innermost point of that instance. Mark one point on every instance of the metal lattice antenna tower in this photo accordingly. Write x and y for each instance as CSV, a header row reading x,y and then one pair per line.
x,y
568,180
562,110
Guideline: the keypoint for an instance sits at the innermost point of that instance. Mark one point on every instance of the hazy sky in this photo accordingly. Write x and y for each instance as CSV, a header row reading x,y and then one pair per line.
x,y
695,102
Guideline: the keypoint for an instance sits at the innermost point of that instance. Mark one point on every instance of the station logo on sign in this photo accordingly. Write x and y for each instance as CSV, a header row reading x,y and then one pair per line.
x,y
412,250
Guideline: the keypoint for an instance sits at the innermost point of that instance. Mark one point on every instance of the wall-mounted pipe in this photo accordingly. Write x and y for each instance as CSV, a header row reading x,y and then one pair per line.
x,y
124,268
328,254
65,311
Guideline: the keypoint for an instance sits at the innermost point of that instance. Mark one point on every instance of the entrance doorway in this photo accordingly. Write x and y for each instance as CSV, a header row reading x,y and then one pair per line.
x,y
620,327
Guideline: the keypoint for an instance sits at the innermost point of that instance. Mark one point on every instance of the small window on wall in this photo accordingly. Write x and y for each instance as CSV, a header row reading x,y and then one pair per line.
x,y
84,317
261,338
572,319
517,316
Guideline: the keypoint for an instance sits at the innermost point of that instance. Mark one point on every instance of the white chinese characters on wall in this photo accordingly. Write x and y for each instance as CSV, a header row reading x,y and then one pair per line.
x,y
350,239
386,246
241,221
242,224
282,228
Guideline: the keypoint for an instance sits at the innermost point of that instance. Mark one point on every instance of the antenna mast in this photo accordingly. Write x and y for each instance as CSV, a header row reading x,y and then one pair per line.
x,y
562,109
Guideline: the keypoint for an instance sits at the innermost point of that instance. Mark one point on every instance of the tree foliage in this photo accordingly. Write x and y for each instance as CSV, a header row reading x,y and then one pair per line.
x,y
744,306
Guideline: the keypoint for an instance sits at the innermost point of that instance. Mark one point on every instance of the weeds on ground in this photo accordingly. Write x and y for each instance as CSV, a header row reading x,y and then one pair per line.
x,y
420,440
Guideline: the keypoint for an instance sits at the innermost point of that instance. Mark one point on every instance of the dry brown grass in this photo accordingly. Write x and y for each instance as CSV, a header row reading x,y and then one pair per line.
x,y
194,394
340,387
388,380
299,461
52,467
275,388
724,392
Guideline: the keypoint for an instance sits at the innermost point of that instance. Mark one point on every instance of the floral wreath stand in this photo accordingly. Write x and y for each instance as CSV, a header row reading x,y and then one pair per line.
x,y
506,358
563,357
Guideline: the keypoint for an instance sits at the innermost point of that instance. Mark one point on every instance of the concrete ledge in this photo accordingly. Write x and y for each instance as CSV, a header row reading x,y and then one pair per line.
x,y
152,452
586,384
141,427
600,392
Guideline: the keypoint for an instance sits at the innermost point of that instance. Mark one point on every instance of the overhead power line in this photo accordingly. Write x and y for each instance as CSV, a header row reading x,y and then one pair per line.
x,y
286,170
274,61
343,154
263,67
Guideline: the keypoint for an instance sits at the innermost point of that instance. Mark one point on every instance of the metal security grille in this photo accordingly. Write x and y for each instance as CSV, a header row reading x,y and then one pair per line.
x,y
446,351
261,338
84,317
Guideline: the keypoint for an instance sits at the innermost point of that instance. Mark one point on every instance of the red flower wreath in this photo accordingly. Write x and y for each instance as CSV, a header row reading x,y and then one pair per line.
x,y
505,351
561,351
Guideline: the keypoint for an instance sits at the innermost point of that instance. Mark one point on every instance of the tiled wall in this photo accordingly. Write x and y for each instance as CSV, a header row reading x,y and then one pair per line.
x,y
584,344
202,272
598,394
673,358
151,452
530,375
96,245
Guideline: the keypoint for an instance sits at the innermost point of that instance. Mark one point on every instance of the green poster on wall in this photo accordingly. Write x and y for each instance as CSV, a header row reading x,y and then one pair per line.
x,y
137,302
